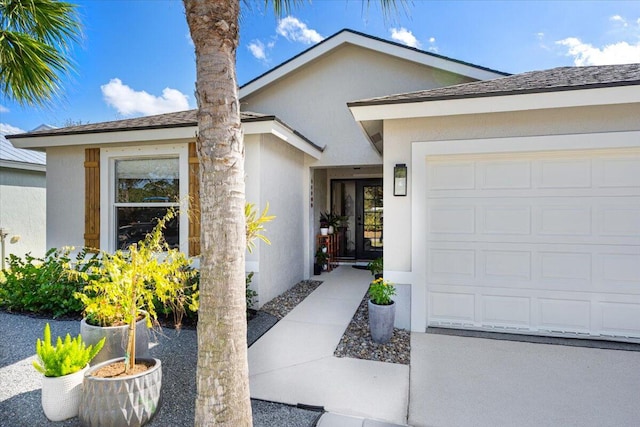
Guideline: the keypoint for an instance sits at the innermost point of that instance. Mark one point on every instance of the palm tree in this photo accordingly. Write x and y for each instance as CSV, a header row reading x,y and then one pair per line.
x,y
222,371
35,38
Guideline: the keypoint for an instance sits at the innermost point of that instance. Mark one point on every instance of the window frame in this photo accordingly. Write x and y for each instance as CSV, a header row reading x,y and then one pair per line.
x,y
108,204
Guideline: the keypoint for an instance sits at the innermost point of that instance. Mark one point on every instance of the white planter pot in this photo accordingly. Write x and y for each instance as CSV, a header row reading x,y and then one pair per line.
x,y
61,396
331,230
324,250
324,231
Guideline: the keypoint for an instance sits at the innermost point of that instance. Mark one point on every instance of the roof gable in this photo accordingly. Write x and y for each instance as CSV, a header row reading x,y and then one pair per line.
x,y
377,44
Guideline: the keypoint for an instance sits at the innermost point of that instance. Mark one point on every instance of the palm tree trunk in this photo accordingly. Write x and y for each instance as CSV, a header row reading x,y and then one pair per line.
x,y
222,372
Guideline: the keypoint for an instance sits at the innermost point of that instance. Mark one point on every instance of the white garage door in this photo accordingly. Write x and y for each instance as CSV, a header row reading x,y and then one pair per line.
x,y
535,243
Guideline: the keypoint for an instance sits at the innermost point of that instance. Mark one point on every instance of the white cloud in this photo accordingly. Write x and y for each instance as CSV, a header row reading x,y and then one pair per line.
x,y
293,29
404,36
7,129
620,19
257,49
3,109
129,102
587,54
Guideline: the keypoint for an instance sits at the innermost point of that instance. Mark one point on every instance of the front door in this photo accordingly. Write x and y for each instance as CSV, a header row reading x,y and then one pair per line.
x,y
369,219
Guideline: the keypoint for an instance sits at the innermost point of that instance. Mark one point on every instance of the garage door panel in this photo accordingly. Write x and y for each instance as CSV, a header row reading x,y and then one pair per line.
x,y
505,311
562,315
619,318
547,243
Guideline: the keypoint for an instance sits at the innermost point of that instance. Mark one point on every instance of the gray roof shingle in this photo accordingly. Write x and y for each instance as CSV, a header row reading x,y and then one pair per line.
x,y
553,80
159,121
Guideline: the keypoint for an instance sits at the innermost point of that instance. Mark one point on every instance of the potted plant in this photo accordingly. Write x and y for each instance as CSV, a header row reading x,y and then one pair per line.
x,y
376,267
382,310
63,368
322,259
324,223
126,390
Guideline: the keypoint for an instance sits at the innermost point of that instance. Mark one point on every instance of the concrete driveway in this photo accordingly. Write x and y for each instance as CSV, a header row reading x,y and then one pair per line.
x,y
465,381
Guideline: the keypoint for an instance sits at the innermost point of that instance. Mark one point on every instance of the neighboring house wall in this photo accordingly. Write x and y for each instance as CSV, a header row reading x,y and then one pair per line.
x,y
315,98
23,210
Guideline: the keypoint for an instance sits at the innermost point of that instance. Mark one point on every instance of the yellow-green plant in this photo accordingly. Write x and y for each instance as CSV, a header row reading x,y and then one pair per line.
x,y
381,291
66,357
129,281
255,224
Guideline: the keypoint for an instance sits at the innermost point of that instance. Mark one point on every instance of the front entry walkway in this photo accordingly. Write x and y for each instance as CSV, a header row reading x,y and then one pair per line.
x,y
294,363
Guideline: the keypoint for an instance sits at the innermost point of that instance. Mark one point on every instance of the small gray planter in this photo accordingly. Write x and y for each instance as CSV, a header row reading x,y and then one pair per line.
x,y
121,402
381,319
116,343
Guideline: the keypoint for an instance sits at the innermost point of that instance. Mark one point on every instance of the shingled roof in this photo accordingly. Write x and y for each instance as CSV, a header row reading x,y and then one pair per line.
x,y
160,121
553,80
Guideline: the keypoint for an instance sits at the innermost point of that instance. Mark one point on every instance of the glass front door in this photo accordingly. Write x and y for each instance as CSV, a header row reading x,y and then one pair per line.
x,y
369,221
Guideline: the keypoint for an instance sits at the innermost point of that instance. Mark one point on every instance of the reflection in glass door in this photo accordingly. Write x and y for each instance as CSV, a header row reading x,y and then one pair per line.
x,y
369,220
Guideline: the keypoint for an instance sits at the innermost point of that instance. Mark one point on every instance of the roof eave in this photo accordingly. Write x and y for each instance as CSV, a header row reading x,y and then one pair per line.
x,y
496,103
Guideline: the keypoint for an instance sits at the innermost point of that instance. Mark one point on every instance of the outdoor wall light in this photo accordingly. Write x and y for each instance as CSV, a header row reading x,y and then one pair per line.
x,y
400,179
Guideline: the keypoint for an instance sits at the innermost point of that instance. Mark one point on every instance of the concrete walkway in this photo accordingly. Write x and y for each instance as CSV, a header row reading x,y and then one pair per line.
x,y
454,381
294,363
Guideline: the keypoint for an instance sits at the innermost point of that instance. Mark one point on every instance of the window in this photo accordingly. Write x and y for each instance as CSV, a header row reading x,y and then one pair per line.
x,y
142,183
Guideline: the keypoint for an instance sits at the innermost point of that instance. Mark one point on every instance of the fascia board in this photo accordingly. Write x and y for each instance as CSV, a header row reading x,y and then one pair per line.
x,y
178,134
23,166
499,104
282,132
375,45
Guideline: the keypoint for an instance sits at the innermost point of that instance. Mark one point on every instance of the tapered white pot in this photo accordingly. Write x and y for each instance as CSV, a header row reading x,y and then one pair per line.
x,y
61,396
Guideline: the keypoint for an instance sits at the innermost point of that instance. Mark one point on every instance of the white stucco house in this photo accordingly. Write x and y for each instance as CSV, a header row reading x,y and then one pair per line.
x,y
22,200
522,205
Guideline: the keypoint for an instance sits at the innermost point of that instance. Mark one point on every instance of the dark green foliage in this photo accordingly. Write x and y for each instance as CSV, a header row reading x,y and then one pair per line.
x,y
251,294
45,285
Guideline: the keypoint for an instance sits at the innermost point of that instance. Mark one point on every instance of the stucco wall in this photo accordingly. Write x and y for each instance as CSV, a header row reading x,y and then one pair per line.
x,y
281,185
23,210
314,99
399,134
65,197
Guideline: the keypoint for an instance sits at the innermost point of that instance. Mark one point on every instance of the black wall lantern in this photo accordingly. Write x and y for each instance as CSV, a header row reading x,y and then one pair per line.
x,y
400,179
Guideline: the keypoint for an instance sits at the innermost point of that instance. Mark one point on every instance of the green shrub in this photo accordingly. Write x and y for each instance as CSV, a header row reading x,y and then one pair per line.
x,y
45,285
66,357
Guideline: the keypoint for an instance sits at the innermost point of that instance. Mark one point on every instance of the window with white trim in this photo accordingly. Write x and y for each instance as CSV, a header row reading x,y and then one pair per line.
x,y
138,186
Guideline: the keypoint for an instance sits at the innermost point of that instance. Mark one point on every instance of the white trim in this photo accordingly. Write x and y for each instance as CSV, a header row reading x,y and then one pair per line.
x,y
283,133
420,151
418,247
107,190
388,48
165,136
500,103
585,141
23,165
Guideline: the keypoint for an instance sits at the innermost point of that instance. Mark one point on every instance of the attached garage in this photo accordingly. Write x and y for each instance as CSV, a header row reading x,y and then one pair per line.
x,y
523,212
543,242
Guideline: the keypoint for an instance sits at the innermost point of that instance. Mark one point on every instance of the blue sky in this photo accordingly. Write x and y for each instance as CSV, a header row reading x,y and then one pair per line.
x,y
136,57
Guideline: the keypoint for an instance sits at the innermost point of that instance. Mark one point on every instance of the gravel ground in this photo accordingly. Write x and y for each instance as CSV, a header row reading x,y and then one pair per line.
x,y
357,342
281,305
20,383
